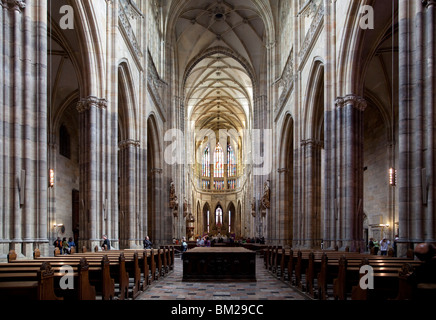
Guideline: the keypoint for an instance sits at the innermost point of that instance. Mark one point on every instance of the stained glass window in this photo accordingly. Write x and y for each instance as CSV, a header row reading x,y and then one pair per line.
x,y
232,184
206,163
205,184
231,161
230,221
219,162
218,185
219,216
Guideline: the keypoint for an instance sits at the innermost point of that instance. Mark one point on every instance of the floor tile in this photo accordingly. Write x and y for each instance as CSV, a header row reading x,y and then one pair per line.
x,y
267,287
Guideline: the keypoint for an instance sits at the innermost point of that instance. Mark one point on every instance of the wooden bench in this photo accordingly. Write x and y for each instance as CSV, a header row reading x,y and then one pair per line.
x,y
122,264
82,288
130,271
29,285
313,272
97,271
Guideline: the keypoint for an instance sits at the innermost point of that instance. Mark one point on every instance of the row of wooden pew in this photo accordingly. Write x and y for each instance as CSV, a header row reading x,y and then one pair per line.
x,y
105,275
336,275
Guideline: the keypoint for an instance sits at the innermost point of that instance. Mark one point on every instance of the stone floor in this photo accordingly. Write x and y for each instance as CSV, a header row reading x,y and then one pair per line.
x,y
266,287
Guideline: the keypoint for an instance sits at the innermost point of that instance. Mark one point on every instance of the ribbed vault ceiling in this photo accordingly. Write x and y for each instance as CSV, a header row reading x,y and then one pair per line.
x,y
220,52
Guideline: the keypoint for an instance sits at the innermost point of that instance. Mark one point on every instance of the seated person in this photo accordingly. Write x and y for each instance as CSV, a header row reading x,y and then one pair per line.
x,y
147,243
71,244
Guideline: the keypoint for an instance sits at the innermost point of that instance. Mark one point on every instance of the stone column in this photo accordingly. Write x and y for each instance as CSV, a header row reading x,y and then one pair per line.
x,y
284,205
128,154
311,150
23,126
405,89
158,207
429,196
351,109
416,123
90,114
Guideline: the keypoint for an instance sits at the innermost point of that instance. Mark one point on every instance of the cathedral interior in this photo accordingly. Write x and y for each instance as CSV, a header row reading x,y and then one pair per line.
x,y
300,123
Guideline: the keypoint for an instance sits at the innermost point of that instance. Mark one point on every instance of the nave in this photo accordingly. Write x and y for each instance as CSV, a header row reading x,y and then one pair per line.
x,y
266,287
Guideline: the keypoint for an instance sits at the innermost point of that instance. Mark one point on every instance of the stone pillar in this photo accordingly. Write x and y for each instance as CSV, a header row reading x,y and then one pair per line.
x,y
405,88
128,192
351,109
284,204
429,77
90,111
331,190
416,123
330,222
311,150
158,207
23,126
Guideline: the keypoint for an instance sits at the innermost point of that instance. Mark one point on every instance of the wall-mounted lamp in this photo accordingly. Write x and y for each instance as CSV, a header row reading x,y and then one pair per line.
x,y
379,225
60,226
51,178
392,177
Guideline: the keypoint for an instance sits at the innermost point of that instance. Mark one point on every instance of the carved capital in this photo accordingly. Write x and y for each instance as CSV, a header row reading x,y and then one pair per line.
x,y
129,142
312,143
86,103
14,5
357,102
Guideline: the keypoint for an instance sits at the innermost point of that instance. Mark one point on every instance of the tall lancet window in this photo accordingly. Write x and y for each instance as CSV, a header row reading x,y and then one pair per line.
x,y
218,162
231,161
206,163
219,216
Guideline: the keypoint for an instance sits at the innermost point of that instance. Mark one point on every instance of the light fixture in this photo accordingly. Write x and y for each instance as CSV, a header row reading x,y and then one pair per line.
x,y
392,177
51,178
60,226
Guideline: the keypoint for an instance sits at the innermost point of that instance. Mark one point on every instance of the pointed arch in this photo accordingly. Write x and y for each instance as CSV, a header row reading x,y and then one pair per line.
x,y
285,188
126,103
155,217
230,218
314,104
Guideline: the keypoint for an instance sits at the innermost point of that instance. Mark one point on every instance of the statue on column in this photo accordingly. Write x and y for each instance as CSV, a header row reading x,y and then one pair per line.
x,y
266,197
253,207
185,208
174,203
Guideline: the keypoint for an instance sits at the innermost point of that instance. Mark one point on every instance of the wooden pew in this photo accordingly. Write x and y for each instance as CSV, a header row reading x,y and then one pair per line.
x,y
99,270
151,264
315,271
82,288
386,278
29,285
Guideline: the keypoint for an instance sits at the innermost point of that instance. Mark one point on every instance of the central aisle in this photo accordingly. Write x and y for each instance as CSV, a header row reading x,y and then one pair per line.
x,y
265,288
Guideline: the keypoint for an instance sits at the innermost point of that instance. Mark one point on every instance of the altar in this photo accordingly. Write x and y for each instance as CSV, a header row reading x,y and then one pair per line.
x,y
219,264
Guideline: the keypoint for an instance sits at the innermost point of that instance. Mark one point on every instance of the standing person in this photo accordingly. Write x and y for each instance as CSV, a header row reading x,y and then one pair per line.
x,y
106,243
65,247
147,243
371,245
376,247
384,247
184,247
